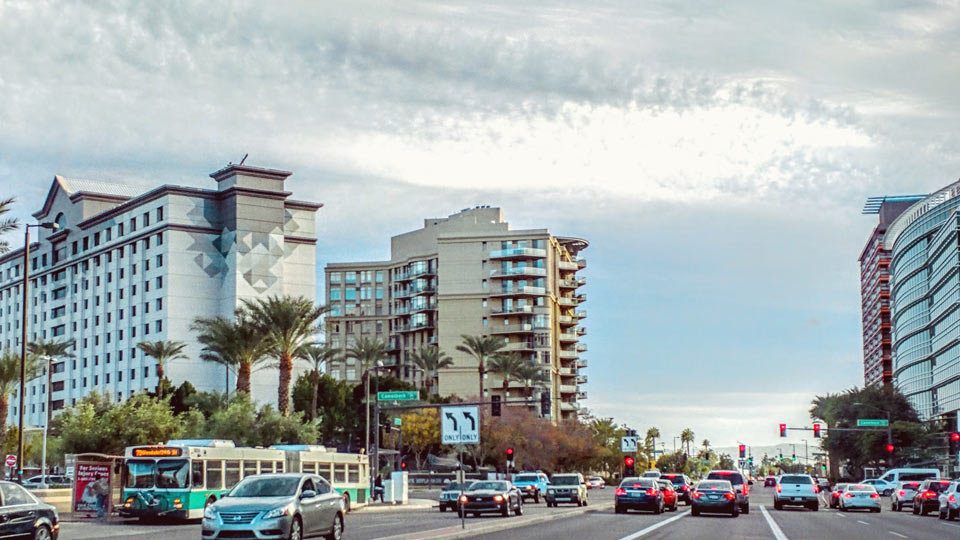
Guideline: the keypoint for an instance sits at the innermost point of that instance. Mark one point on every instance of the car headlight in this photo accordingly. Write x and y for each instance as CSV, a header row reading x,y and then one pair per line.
x,y
278,512
210,513
551,490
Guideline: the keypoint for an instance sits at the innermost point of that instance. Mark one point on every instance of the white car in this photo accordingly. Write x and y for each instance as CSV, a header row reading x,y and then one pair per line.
x,y
863,496
883,488
903,495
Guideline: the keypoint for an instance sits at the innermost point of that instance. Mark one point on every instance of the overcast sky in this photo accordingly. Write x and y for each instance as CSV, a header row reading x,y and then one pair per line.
x,y
715,153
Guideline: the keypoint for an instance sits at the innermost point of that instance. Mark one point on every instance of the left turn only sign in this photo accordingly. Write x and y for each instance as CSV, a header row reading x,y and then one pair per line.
x,y
460,425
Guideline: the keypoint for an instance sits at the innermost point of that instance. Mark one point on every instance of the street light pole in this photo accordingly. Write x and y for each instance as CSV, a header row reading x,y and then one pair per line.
x,y
23,338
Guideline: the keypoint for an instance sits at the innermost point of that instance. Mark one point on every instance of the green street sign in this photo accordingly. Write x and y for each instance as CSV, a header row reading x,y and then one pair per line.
x,y
397,421
868,422
398,396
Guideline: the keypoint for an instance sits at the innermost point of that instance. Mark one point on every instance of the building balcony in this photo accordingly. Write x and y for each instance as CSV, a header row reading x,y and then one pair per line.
x,y
567,283
582,363
522,346
568,337
567,301
581,314
519,271
569,406
566,320
415,327
520,310
581,395
408,310
568,389
568,265
568,355
433,340
581,331
416,291
519,253
512,329
566,372
581,263
522,291
581,379
582,297
581,347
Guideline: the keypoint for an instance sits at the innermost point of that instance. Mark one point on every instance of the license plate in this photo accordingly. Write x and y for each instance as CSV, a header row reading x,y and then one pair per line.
x,y
713,497
797,499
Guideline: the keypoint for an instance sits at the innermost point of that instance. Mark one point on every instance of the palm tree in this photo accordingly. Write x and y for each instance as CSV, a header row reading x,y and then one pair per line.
x,y
533,375
480,348
10,379
686,437
45,352
288,324
652,435
431,360
162,352
511,367
7,225
234,344
369,352
318,355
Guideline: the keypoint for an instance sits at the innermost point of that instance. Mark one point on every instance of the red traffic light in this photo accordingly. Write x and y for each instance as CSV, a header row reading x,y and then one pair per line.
x,y
816,430
403,465
889,448
955,437
629,461
743,450
783,430
509,451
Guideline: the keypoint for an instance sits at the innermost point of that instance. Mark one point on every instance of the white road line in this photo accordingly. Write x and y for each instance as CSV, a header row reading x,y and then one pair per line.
x,y
864,522
774,528
654,527
897,534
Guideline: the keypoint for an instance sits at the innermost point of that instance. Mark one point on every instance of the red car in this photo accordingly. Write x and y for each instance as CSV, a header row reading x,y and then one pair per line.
x,y
669,495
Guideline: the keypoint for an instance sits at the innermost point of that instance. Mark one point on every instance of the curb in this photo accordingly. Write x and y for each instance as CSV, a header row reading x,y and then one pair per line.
x,y
453,533
394,508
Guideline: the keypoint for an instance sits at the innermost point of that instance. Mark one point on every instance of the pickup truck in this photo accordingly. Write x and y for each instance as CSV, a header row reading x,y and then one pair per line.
x,y
796,490
532,485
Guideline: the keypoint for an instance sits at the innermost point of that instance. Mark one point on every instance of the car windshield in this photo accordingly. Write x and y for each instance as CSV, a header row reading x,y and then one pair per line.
x,y
526,478
456,486
267,486
714,485
495,486
677,480
796,480
732,477
596,479
938,486
638,483
665,484
565,480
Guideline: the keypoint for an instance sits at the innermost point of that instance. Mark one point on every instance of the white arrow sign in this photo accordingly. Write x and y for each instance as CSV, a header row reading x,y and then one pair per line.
x,y
460,425
628,444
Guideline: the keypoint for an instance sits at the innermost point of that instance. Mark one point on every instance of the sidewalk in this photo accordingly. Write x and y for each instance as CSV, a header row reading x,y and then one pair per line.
x,y
412,504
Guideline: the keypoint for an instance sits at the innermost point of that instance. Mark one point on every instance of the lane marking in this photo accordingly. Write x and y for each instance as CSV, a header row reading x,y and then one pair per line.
x,y
864,522
654,527
774,528
897,534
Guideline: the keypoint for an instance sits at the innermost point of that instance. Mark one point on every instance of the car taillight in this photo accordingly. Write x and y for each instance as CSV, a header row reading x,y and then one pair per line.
x,y
621,491
836,494
746,490
696,494
952,499
651,492
901,494
498,498
929,494
779,489
730,495
874,495
463,498
848,495
686,488
816,489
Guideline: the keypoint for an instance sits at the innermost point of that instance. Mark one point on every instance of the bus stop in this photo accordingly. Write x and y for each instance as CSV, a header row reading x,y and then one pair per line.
x,y
96,482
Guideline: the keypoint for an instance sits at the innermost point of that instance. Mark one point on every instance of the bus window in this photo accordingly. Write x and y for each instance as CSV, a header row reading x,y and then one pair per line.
x,y
215,474
340,473
196,468
249,468
172,473
232,473
139,473
323,469
354,474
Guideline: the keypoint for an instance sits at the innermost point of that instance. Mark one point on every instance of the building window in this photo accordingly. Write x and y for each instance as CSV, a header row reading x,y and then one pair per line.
x,y
146,219
160,239
334,277
335,293
159,326
160,214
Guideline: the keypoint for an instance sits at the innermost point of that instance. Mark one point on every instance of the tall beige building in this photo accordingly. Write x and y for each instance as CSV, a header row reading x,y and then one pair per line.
x,y
469,273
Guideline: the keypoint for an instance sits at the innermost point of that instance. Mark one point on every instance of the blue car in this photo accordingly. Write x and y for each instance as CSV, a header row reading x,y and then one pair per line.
x,y
638,494
532,485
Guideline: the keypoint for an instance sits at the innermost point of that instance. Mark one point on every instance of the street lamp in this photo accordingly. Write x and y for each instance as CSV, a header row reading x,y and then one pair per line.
x,y
46,422
23,337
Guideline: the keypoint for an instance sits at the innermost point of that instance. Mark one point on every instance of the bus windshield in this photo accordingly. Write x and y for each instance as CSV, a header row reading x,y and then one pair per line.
x,y
165,474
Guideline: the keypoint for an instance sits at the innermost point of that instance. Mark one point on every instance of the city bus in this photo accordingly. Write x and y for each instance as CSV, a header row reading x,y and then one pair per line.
x,y
180,478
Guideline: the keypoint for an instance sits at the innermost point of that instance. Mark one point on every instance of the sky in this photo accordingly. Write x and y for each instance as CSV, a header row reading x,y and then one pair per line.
x,y
716,154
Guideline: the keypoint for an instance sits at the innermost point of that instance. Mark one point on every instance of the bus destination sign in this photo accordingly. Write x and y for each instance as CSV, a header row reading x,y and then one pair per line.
x,y
158,451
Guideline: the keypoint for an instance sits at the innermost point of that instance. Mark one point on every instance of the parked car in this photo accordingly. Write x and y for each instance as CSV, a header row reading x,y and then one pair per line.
x,y
638,494
568,487
950,502
23,515
926,499
682,484
714,497
903,495
739,484
862,496
292,505
51,480
652,473
532,485
796,490
595,482
450,496
670,495
497,496
835,495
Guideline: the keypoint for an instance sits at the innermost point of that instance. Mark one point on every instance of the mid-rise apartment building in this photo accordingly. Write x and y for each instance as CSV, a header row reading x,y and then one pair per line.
x,y
875,290
469,274
128,265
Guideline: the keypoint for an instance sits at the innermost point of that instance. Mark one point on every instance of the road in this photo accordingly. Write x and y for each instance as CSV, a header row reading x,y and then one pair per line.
x,y
597,521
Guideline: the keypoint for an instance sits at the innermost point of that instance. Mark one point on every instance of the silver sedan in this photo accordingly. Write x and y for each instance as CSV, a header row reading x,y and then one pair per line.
x,y
862,496
288,506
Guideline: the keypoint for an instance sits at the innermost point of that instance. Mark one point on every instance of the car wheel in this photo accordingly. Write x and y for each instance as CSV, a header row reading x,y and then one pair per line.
x,y
916,509
336,529
777,505
876,510
519,508
940,515
658,509
505,512
536,498
815,507
746,508
734,513
296,530
694,511
42,533
617,510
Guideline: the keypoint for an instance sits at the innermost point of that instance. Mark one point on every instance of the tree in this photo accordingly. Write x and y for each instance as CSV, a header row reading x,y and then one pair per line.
x,y
510,367
50,349
421,433
369,352
338,419
236,344
7,224
651,440
10,379
726,462
96,425
431,360
481,348
162,352
288,324
318,355
686,437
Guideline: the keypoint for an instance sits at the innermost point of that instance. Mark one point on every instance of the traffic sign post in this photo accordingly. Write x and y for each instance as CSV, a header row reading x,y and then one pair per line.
x,y
11,460
398,396
872,422
460,425
628,444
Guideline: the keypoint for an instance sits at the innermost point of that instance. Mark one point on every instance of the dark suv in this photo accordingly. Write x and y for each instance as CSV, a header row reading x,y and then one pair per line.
x,y
927,497
739,487
682,484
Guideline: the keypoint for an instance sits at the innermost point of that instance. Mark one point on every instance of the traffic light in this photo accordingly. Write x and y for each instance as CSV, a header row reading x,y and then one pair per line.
x,y
794,458
816,431
783,430
629,466
403,465
954,443
545,403
495,405
743,451
781,455
509,454
890,448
